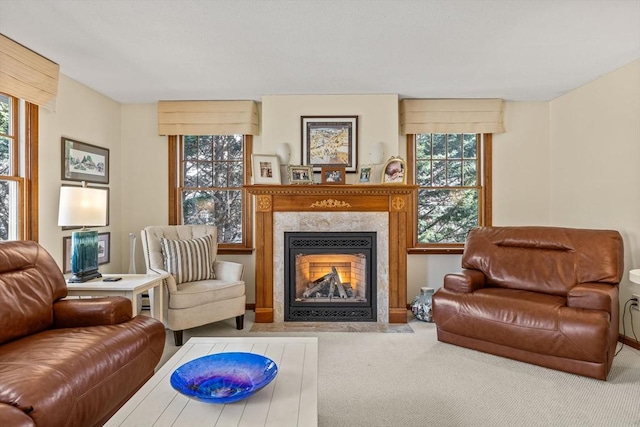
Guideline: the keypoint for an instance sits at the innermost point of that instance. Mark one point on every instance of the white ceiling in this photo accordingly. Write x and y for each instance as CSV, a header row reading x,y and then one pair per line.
x,y
139,51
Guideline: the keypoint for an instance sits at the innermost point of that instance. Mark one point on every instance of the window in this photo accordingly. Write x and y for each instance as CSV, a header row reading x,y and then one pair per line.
x,y
452,175
18,187
212,170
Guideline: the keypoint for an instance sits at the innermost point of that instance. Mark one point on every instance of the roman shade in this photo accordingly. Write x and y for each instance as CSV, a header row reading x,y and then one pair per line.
x,y
451,116
26,75
208,118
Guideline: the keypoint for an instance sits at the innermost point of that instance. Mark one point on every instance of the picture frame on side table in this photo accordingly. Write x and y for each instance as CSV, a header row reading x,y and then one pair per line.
x,y
330,141
333,175
299,174
364,174
266,169
84,162
65,227
394,171
104,250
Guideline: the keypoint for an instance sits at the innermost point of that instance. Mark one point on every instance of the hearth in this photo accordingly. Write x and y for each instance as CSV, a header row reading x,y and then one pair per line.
x,y
330,276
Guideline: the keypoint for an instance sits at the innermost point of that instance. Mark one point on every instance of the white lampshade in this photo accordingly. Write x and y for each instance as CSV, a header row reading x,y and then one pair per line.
x,y
284,153
82,207
634,276
376,153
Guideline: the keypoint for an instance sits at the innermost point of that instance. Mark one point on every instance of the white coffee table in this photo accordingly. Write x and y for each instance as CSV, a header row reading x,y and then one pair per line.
x,y
130,286
291,399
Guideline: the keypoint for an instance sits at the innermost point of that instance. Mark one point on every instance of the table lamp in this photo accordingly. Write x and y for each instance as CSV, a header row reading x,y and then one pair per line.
x,y
83,207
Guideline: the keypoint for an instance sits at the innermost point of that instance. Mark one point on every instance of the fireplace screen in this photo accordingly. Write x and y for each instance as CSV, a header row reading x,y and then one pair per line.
x,y
330,276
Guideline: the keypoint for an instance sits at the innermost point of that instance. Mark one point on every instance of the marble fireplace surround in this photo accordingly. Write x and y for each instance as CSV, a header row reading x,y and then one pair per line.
x,y
385,209
332,222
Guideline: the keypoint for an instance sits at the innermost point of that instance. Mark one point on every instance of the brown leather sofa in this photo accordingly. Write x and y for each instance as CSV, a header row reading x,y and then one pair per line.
x,y
542,295
66,362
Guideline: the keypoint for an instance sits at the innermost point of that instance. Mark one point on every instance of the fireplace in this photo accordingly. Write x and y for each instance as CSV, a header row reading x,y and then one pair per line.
x,y
329,208
330,276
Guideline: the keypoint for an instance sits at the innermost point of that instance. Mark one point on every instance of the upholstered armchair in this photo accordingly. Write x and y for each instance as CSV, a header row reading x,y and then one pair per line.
x,y
201,289
542,295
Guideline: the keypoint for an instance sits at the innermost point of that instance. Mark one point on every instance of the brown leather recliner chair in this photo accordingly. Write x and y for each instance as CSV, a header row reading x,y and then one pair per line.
x,y
66,362
542,295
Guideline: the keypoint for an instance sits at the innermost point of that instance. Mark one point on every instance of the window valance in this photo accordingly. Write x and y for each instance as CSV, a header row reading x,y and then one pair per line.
x,y
208,118
27,75
451,116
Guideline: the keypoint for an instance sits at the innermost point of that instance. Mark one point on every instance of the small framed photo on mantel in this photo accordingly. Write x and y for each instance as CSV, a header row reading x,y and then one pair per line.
x,y
364,174
299,174
394,171
266,169
333,175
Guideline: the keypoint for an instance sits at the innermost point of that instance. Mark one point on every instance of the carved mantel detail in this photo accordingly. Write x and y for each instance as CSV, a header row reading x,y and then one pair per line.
x,y
330,203
396,200
264,203
398,203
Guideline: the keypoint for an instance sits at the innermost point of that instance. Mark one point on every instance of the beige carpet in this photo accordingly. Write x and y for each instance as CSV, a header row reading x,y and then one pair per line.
x,y
411,379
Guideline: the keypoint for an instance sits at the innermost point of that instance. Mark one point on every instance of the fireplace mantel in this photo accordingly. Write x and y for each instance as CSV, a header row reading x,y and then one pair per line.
x,y
395,199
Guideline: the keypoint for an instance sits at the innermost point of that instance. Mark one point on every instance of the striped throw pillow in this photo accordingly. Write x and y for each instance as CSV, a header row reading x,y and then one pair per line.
x,y
189,260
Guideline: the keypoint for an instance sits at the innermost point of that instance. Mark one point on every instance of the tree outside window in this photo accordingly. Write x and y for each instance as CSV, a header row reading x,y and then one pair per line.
x,y
10,182
211,192
450,189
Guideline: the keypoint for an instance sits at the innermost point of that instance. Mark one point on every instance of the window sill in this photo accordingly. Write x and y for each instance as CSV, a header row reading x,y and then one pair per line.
x,y
234,251
436,251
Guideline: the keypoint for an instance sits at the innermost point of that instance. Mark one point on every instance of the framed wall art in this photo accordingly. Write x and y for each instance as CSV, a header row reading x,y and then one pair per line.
x,y
330,141
84,162
394,171
64,227
104,250
333,175
299,174
266,169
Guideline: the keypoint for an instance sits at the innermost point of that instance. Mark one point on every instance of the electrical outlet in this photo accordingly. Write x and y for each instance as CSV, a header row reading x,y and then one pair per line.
x,y
636,305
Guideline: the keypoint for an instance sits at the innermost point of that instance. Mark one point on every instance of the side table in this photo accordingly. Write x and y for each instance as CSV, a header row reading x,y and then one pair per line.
x,y
130,286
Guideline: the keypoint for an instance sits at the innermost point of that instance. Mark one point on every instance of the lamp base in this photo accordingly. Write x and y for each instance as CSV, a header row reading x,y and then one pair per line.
x,y
84,277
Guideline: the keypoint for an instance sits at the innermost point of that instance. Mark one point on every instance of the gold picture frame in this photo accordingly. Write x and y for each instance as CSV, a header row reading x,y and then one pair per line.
x,y
300,174
394,171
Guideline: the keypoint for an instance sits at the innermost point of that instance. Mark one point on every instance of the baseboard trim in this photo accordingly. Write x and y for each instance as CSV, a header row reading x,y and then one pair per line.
x,y
628,341
250,306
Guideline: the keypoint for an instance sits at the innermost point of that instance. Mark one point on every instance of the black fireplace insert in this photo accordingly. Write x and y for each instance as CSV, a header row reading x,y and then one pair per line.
x,y
330,276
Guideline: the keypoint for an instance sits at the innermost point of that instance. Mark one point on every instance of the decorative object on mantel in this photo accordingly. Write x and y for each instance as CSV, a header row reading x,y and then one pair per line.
x,y
422,305
332,175
299,174
330,141
266,169
364,174
283,151
224,377
394,171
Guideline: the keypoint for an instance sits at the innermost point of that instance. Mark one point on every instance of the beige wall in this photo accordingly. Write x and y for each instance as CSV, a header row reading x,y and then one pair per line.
x,y
595,162
87,116
520,186
377,122
549,167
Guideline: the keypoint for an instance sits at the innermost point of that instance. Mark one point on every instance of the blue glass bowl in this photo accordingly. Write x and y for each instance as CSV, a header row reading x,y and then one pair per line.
x,y
224,377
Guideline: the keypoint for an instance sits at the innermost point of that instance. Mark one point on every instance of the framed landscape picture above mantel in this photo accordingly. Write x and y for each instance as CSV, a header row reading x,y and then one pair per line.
x,y
84,162
330,141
